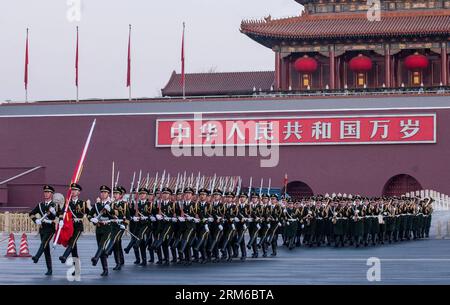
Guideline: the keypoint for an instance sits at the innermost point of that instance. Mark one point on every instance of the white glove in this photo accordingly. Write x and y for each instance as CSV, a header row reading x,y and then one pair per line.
x,y
98,199
159,217
196,220
279,224
94,220
303,226
108,207
244,226
288,223
220,227
268,226
250,219
167,218
210,219
122,227
258,226
135,218
181,219
236,219
48,221
189,218
144,217
38,222
206,228
233,226
174,219
52,210
152,218
61,223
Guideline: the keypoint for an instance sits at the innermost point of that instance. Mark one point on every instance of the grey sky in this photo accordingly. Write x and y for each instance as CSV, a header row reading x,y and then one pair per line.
x,y
213,40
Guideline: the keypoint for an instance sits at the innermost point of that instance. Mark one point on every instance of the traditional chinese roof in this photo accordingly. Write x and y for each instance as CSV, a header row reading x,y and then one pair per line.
x,y
224,83
349,25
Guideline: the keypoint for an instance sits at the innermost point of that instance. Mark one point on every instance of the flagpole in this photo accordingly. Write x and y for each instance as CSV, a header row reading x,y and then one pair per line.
x,y
75,178
76,68
129,64
26,70
182,63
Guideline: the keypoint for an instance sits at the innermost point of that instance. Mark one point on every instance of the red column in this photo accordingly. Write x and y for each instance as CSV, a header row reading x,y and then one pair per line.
x,y
444,65
277,71
332,68
287,76
387,63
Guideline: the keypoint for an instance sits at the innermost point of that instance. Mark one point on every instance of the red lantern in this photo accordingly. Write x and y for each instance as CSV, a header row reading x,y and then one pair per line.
x,y
416,62
305,64
360,64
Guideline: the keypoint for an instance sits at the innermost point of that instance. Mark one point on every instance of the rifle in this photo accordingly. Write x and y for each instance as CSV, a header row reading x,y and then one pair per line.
x,y
155,183
117,179
250,188
131,187
260,188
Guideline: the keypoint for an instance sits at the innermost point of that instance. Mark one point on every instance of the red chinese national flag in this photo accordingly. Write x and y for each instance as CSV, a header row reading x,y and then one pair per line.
x,y
182,59
67,229
25,78
76,62
129,59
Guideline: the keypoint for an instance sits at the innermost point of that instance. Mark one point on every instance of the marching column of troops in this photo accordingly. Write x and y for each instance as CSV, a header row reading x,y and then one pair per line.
x,y
186,225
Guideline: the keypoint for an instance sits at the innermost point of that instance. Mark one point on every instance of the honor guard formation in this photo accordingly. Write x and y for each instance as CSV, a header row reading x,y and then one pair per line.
x,y
194,223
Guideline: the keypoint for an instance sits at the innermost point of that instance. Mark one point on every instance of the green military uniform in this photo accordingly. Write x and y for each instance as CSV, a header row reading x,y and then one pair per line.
x,y
48,212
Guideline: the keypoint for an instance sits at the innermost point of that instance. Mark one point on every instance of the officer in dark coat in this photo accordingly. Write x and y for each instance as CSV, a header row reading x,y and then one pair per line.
x,y
118,226
78,208
101,215
48,213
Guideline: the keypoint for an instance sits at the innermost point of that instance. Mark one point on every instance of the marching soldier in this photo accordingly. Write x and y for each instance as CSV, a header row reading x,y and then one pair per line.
x,y
188,231
254,225
132,206
166,212
216,227
230,218
141,218
265,218
79,210
178,228
101,215
48,214
121,213
275,212
290,216
204,217
244,213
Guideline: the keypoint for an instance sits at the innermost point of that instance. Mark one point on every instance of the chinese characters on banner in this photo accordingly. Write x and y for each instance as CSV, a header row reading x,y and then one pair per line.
x,y
320,130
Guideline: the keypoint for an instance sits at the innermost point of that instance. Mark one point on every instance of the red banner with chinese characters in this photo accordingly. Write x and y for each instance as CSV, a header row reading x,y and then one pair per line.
x,y
297,130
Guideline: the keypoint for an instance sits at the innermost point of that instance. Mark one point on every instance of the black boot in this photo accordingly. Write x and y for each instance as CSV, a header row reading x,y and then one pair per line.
x,y
66,254
48,262
104,262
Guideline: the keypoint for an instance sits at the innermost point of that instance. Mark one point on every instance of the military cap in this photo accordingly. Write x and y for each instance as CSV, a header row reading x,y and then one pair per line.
x,y
143,190
274,196
203,190
243,195
179,191
123,190
48,188
217,192
189,190
255,194
117,190
105,188
230,193
166,190
76,186
265,196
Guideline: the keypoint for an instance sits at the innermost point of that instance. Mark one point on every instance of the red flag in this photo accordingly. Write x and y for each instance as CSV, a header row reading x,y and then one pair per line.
x,y
129,59
25,79
65,232
76,62
182,60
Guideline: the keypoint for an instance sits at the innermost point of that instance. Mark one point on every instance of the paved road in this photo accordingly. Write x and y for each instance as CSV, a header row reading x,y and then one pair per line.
x,y
414,262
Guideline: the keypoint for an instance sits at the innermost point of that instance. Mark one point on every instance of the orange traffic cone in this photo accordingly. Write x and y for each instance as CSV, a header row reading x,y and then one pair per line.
x,y
11,251
23,250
